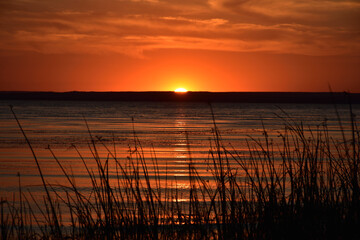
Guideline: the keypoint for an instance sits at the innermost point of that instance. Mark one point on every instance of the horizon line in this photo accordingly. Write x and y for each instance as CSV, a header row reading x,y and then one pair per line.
x,y
154,91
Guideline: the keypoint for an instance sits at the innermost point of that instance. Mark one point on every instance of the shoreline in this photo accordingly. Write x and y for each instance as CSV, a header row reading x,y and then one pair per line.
x,y
237,97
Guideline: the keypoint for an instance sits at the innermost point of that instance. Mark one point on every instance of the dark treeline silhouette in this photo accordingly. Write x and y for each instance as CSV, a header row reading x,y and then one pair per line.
x,y
244,97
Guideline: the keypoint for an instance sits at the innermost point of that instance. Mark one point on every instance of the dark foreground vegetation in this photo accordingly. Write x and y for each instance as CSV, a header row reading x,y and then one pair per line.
x,y
304,186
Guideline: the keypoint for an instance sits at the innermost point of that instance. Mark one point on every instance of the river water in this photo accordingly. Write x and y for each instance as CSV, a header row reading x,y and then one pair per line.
x,y
166,131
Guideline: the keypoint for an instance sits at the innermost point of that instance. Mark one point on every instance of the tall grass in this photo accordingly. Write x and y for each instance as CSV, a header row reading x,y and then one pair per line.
x,y
304,187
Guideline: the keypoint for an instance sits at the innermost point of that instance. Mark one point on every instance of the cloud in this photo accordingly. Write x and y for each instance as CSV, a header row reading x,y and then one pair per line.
x,y
132,27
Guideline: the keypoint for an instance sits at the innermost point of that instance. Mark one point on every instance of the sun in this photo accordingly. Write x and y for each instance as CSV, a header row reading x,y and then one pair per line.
x,y
180,90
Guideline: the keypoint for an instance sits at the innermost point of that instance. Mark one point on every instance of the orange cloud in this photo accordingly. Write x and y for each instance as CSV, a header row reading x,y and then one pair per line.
x,y
132,29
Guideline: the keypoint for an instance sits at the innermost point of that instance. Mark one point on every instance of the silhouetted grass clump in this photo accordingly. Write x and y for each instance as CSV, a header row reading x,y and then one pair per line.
x,y
304,187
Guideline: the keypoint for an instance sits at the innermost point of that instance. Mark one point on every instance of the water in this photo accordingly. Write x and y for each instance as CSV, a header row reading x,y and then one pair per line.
x,y
162,129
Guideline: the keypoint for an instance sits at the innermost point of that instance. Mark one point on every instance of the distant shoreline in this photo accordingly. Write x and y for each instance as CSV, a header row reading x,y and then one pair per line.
x,y
239,97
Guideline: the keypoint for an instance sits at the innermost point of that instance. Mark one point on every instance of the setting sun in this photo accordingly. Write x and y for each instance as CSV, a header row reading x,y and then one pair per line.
x,y
181,90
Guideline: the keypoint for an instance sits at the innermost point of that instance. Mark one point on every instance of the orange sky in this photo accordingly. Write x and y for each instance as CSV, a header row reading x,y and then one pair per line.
x,y
160,45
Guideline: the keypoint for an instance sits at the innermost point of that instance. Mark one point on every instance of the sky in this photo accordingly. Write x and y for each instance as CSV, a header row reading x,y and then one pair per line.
x,y
161,45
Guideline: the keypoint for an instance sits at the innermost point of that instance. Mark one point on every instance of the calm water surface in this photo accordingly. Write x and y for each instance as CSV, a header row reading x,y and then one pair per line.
x,y
159,126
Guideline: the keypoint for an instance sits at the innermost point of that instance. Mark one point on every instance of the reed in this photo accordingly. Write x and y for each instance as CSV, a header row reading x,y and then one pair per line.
x,y
303,185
